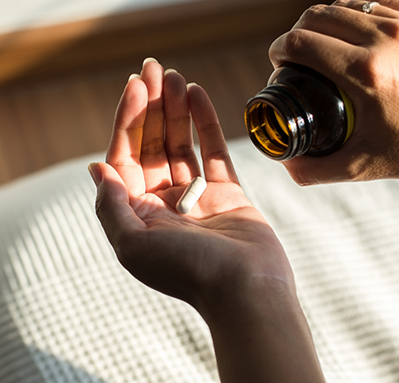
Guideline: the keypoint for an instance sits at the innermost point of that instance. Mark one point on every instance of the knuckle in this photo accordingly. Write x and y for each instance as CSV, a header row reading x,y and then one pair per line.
x,y
371,68
123,161
218,155
181,151
154,146
311,17
390,28
295,43
340,3
312,13
367,69
213,125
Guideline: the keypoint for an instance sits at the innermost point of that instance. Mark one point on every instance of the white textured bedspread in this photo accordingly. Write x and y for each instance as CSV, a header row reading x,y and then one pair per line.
x,y
70,313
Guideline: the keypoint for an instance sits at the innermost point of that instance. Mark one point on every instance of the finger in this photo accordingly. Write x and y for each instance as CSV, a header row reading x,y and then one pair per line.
x,y
179,138
125,146
153,156
386,8
350,162
329,56
342,23
218,166
306,170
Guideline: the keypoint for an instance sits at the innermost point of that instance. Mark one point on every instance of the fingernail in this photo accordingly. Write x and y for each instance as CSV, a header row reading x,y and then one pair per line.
x,y
135,75
148,60
170,70
96,173
189,85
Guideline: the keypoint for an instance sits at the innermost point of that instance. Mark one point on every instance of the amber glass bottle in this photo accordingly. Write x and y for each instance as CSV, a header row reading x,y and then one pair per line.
x,y
299,112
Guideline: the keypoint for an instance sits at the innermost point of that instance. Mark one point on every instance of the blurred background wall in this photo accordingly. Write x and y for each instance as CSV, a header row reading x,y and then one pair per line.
x,y
63,65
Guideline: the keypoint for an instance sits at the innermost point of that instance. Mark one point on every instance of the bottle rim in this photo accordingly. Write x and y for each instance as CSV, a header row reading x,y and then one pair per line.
x,y
298,130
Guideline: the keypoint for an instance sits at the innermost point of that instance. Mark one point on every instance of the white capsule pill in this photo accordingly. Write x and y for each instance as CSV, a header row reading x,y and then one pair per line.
x,y
191,195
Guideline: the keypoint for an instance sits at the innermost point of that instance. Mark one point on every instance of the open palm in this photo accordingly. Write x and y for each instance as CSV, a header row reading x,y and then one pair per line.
x,y
150,162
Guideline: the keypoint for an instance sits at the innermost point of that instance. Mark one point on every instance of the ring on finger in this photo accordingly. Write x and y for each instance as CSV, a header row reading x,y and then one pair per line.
x,y
368,7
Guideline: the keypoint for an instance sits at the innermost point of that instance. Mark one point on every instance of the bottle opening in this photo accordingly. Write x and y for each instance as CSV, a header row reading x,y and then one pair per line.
x,y
267,129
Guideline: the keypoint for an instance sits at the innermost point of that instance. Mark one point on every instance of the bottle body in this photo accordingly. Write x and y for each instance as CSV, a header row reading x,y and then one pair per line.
x,y
300,112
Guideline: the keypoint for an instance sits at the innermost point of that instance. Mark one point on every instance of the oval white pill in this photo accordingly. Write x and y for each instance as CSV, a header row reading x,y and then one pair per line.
x,y
191,195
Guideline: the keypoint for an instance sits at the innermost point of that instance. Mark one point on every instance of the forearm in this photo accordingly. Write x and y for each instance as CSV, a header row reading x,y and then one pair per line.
x,y
263,338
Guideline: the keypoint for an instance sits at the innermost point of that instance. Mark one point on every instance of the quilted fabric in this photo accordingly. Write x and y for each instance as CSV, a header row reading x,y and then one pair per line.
x,y
70,313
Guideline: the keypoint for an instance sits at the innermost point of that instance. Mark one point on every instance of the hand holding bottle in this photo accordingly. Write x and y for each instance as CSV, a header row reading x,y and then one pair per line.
x,y
359,52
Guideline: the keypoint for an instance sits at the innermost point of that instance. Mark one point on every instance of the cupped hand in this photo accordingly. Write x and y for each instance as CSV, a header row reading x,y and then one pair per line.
x,y
360,53
224,243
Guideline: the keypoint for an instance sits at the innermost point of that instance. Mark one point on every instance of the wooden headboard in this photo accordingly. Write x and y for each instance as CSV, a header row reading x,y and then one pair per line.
x,y
98,42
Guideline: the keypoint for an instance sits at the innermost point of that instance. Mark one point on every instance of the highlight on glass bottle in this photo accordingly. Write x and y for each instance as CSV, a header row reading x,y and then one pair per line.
x,y
300,112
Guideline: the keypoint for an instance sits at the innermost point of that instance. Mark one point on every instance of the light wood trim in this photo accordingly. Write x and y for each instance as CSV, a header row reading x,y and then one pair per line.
x,y
95,43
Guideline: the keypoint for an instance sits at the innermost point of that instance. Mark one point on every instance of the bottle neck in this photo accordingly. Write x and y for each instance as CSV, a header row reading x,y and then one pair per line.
x,y
278,123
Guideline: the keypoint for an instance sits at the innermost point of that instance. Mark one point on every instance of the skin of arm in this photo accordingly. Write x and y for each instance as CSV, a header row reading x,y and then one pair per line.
x,y
222,258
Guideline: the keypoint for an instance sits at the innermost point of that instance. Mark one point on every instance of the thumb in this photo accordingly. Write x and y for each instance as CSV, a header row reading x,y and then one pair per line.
x,y
112,204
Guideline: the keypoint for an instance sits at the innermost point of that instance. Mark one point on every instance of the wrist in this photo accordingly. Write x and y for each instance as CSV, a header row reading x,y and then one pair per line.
x,y
261,334
257,283
254,295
